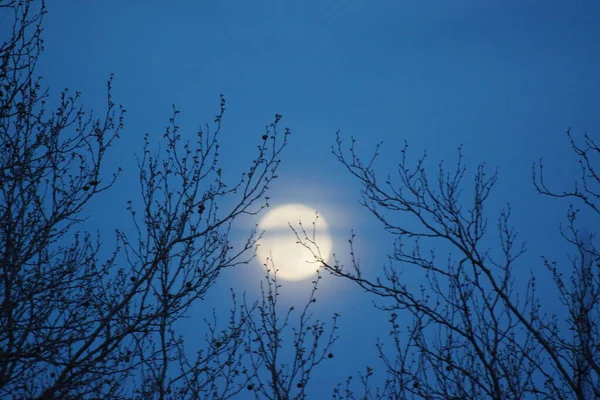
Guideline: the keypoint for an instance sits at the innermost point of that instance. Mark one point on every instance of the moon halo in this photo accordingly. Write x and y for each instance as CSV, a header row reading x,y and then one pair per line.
x,y
279,247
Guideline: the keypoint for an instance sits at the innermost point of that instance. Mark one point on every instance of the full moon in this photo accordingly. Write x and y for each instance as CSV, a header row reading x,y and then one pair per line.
x,y
279,247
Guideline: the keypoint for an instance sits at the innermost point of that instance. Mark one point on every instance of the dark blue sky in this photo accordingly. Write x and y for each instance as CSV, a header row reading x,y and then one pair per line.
x,y
505,79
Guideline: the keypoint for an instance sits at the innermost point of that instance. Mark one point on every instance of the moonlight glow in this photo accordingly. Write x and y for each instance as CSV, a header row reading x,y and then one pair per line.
x,y
279,244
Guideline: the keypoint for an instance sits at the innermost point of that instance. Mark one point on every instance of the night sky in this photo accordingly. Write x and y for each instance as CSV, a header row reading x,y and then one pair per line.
x,y
503,79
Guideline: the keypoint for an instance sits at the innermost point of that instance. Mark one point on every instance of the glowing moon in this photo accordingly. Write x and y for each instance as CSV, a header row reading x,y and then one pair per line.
x,y
279,244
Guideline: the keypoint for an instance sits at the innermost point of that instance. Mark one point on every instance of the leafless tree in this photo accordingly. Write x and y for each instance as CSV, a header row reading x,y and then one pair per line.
x,y
463,326
579,283
283,351
79,320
